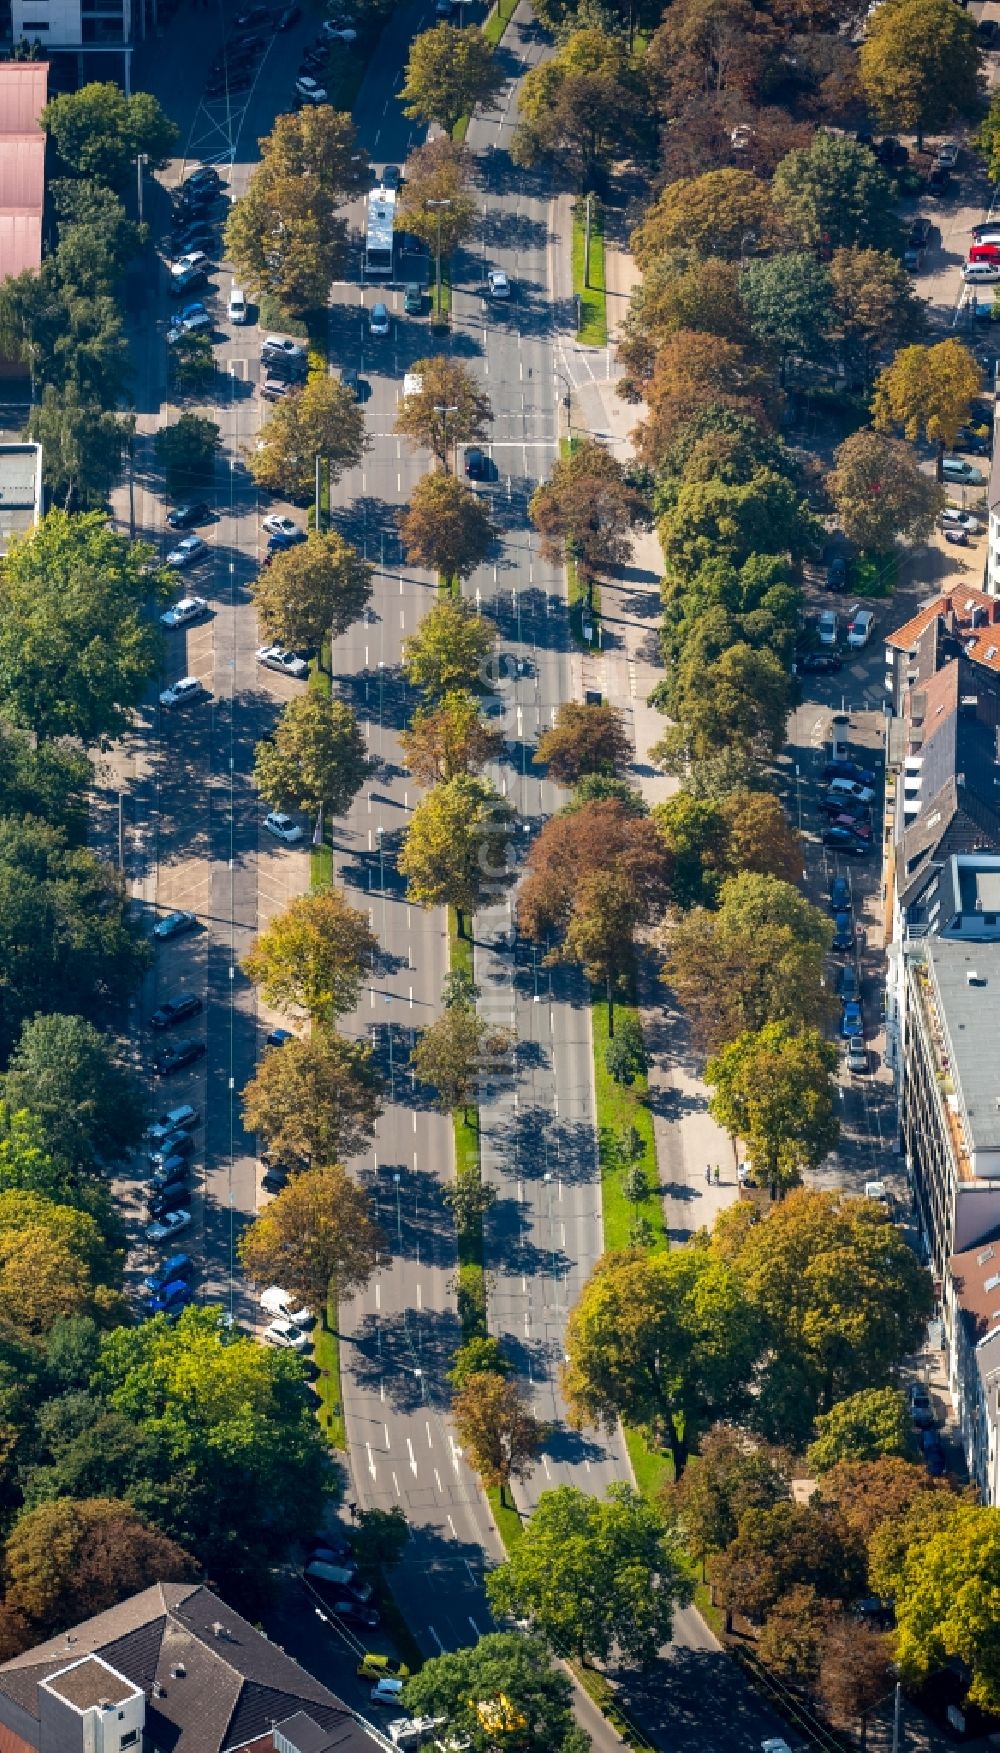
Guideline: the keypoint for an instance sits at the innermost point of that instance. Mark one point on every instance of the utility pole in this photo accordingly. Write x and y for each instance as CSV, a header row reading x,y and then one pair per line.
x,y
897,1720
141,161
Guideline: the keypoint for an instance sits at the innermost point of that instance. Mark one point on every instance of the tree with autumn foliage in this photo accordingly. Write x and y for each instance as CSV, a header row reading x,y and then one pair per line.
x,y
455,1051
785,1546
437,199
498,1431
445,526
313,956
593,877
927,391
448,409
586,509
316,1100
680,290
584,739
774,1088
318,1230
724,213
694,373
730,1474
450,649
449,738
881,492
458,848
313,591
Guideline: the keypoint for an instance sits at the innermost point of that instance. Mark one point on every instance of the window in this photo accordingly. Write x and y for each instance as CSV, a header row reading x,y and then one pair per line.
x,y
131,1739
31,25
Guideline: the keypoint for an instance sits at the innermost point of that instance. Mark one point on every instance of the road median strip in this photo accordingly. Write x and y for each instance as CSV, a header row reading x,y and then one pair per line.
x,y
588,278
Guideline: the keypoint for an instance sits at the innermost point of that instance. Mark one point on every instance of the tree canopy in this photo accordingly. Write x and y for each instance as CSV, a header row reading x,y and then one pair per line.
x,y
595,1575
448,74
89,1106
448,738
927,390
437,192
864,1427
517,1673
317,1100
832,195
880,492
586,509
499,1433
584,739
450,649
774,1089
458,848
320,419
98,132
448,409
313,956
445,527
919,66
312,591
316,757
317,1229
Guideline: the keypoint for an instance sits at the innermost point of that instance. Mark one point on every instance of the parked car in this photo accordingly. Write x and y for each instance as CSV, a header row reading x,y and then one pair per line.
x,y
849,790
476,466
280,347
173,1297
172,1198
843,933
413,298
957,469
183,613
356,1612
175,1010
274,1178
372,1666
278,1038
186,553
819,663
288,17
952,517
283,828
173,1120
285,1335
860,628
176,1058
379,321
274,389
848,770
955,538
184,517
287,663
947,154
175,924
237,308
921,1406
178,1266
980,273
309,91
167,1226
840,895
836,573
176,1144
856,1056
387,1691
847,983
851,1019
827,627
175,1172
285,529
180,693
842,840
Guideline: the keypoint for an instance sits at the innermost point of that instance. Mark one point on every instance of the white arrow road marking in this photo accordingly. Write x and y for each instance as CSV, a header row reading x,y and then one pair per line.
x,y
371,1460
413,1463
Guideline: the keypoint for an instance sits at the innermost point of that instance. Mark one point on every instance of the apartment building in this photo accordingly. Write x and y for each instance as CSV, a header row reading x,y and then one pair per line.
x,y
972,1314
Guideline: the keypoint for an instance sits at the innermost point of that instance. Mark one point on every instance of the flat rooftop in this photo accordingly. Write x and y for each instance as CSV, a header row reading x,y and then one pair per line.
x,y
966,983
20,490
979,889
90,1683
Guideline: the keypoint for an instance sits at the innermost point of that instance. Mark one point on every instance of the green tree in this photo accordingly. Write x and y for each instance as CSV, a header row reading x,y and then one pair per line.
x,y
579,104
98,132
458,848
77,647
787,1546
450,649
625,1053
832,195
322,419
586,509
313,956
89,1105
595,1575
186,452
242,1465
82,447
479,1356
865,1426
663,1339
499,1433
679,290
96,238
758,959
774,1089
65,1561
284,235
317,1099
47,780
584,739
53,1261
449,738
517,1673
448,409
313,591
919,66
27,1165
445,527
738,703
729,1475
987,138
449,73
789,299
945,1602
455,1051
436,200
65,941
316,757
927,390
874,305
840,1294
317,1230
880,492
722,213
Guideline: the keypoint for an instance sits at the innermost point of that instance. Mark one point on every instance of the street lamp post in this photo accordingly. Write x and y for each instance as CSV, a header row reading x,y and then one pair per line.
x,y
141,161
438,206
567,400
440,408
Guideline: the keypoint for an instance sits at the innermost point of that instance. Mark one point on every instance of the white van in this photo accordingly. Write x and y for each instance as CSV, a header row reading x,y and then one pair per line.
x,y
859,628
237,305
341,1576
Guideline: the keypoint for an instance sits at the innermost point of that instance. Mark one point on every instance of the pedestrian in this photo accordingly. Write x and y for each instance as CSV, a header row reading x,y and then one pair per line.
x,y
708,1174
718,1173
353,1511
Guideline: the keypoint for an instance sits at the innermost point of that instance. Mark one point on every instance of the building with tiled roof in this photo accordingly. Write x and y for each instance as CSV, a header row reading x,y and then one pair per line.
x,y
170,1670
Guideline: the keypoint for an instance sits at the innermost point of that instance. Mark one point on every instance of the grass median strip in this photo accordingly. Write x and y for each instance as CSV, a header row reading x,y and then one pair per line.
x,y
471,1276
593,329
625,1139
498,21
327,1349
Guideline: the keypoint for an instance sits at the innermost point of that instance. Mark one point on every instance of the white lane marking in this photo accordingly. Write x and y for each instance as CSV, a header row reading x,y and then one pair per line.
x,y
371,1460
474,1625
438,1478
420,1298
456,1454
452,1526
437,1640
427,1427
385,1427
545,1464
378,1294
413,1458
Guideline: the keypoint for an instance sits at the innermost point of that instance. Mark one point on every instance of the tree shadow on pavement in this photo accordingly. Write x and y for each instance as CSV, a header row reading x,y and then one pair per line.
x,y
390,1349
510,1248
415,1220
538,1144
697,1698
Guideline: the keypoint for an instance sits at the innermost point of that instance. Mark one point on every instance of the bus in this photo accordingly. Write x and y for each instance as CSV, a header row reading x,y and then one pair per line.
x,y
378,238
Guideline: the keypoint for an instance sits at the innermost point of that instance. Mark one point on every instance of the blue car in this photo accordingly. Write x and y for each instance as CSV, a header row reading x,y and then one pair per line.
x,y
840,895
178,1266
851,1020
171,1299
843,936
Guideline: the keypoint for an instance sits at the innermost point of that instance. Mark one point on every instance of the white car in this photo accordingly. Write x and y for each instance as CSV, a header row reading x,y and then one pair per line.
x,y
859,628
498,283
183,613
283,828
237,305
379,321
282,526
980,273
168,1225
952,518
186,553
947,155
174,1120
413,383
288,1337
388,1690
338,33
280,1303
275,657
188,688
280,347
827,627
308,91
193,259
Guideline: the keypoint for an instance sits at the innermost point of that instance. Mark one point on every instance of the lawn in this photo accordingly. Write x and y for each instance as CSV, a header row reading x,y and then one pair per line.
x,y
327,1348
593,330
498,21
619,1108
